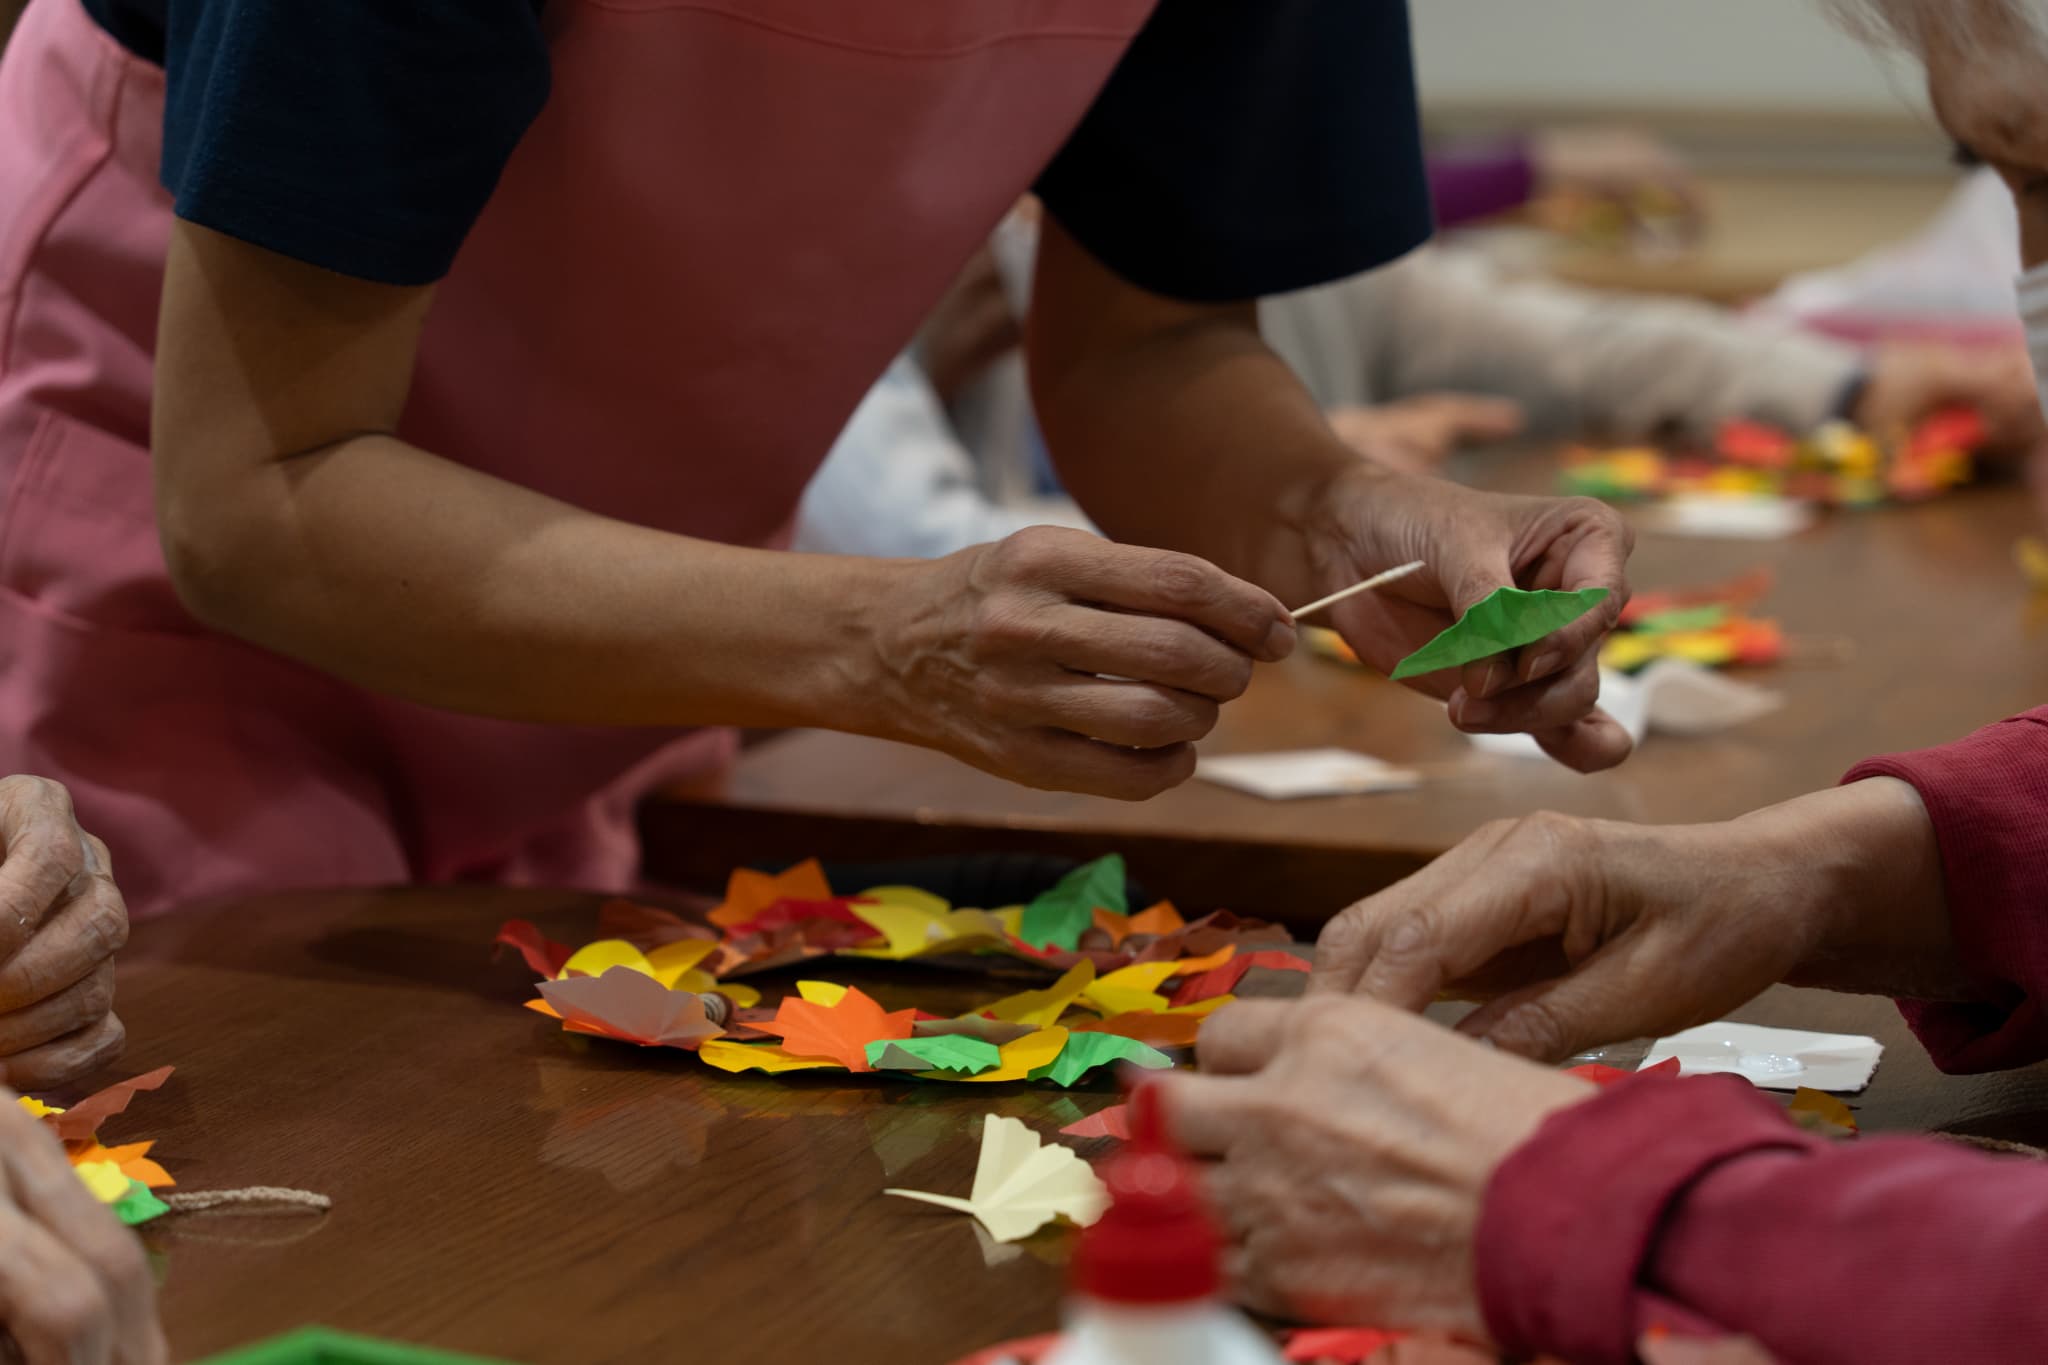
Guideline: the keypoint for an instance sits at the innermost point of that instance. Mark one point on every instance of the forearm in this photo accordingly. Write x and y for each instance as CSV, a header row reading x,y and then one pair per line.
x,y
1694,1202
411,575
1194,437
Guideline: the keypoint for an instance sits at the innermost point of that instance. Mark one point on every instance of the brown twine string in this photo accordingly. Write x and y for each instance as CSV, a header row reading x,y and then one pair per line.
x,y
272,1196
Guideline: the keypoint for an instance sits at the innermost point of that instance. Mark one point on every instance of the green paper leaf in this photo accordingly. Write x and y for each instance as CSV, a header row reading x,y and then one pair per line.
x,y
1508,619
1684,618
1060,916
940,1052
1086,1051
138,1205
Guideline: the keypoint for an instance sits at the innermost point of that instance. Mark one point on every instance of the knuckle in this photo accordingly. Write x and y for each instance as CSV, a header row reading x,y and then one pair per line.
x,y
68,1307
1181,582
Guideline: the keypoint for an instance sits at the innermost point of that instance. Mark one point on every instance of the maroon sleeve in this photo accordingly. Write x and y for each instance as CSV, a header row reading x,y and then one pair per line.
x,y
1478,182
1988,798
1694,1205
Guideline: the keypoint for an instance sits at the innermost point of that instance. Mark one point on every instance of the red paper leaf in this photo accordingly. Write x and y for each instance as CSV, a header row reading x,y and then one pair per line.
x,y
543,955
1346,1345
1113,1122
1604,1076
1223,980
82,1120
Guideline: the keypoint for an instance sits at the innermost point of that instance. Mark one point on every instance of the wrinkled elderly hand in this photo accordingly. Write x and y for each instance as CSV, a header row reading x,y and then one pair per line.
x,y
1473,543
1352,1145
1580,932
1908,384
61,922
75,1288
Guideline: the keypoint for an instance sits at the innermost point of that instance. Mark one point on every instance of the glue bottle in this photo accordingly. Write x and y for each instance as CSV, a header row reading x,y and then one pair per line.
x,y
1145,1285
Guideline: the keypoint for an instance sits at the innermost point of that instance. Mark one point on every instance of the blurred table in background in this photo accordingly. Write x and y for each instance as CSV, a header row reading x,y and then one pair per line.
x,y
1763,228
1945,637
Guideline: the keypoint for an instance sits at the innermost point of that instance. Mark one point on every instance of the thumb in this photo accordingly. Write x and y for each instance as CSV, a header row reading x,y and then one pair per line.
x,y
1482,418
1602,1001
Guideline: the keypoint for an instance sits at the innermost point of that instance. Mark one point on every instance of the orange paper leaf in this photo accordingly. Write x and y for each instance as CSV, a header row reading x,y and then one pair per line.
x,y
841,1032
1149,1026
1159,919
748,893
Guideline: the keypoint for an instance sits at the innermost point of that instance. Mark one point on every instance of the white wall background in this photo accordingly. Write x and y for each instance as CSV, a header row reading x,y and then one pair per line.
x,y
1646,55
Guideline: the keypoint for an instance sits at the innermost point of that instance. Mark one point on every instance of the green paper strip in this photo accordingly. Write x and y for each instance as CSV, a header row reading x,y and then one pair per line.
x,y
1508,619
1683,618
1086,1051
940,1052
1060,916
323,1346
139,1205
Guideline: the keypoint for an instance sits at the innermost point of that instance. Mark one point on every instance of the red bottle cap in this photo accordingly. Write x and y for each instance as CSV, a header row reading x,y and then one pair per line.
x,y
1156,1243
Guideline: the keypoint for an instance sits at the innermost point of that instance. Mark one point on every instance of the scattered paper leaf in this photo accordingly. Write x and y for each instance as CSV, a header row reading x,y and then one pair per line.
x,y
36,1108
83,1119
1161,918
139,1205
909,898
1507,619
945,1052
1113,1122
1028,1054
1819,1112
840,1031
632,1007
132,1160
543,956
997,1031
595,959
748,893
1343,1345
673,961
103,1179
1129,988
1044,1007
727,1055
1224,979
1058,917
1158,1028
1021,1184
1086,1051
826,993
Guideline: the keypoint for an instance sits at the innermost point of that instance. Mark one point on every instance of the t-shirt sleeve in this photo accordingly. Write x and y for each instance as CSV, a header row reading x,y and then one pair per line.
x,y
1250,147
364,137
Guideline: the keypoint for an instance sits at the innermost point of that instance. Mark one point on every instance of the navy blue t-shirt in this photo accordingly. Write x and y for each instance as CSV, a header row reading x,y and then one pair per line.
x,y
1241,148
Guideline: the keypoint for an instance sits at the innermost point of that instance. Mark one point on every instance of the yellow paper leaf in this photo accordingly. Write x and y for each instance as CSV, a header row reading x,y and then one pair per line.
x,y
1209,1006
826,993
36,1107
905,897
1022,1183
1043,1007
1023,1056
1011,917
595,959
671,960
700,982
727,1055
104,1179
1130,989
909,929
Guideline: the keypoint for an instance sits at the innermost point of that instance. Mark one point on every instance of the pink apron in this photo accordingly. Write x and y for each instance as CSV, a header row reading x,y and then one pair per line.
x,y
726,221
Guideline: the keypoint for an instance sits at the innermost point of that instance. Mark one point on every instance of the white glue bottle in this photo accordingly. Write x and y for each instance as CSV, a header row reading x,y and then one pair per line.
x,y
1145,1284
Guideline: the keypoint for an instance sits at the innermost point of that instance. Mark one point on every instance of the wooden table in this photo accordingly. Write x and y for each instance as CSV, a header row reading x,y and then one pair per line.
x,y
1762,229
1946,637
501,1189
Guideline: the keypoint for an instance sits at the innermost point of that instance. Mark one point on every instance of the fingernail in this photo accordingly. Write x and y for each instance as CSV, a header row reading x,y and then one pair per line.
x,y
1477,712
1545,665
1491,681
1280,639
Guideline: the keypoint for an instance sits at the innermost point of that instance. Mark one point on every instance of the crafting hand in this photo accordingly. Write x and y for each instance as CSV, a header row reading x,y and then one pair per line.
x,y
1417,434
1908,384
61,922
1581,932
1352,1148
1473,543
75,1288
1062,660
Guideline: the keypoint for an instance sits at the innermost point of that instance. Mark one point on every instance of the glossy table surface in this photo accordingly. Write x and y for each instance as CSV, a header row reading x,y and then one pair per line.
x,y
1920,626
501,1189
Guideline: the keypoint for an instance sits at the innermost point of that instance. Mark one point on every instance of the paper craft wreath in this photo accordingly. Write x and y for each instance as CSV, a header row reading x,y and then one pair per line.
x,y
1128,984
123,1177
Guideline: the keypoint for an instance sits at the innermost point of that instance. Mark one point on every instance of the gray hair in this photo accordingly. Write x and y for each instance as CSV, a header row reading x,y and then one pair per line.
x,y
1967,27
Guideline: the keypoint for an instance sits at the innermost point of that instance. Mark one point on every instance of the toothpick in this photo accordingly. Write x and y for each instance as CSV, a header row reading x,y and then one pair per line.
x,y
1376,581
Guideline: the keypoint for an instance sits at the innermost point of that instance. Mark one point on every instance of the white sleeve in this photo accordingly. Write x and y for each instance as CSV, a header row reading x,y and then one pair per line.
x,y
899,484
